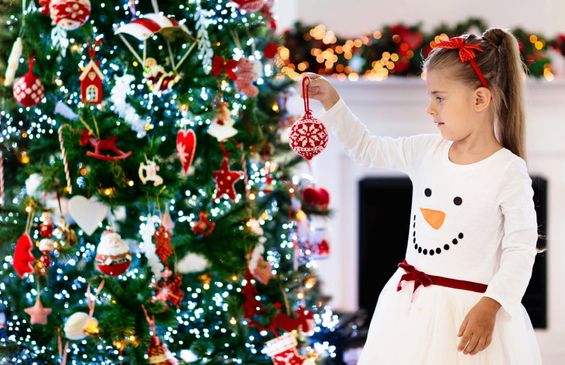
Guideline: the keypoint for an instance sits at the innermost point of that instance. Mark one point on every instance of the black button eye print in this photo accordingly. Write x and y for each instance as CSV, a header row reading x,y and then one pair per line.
x,y
437,248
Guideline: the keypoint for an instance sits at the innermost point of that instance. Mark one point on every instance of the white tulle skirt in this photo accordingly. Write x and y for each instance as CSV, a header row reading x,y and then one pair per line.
x,y
421,329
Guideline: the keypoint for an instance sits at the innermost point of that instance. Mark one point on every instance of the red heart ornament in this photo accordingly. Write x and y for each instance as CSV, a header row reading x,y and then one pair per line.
x,y
317,197
186,146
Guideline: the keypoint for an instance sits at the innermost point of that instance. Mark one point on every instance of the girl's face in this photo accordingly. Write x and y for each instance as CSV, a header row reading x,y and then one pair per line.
x,y
451,105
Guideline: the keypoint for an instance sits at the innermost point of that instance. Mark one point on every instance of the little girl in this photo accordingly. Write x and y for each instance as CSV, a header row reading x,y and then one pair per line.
x,y
456,298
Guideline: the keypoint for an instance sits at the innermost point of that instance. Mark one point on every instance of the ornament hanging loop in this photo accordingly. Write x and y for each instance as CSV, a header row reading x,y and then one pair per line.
x,y
305,87
92,49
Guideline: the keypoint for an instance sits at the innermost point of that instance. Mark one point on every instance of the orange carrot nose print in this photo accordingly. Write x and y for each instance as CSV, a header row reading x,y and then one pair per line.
x,y
433,217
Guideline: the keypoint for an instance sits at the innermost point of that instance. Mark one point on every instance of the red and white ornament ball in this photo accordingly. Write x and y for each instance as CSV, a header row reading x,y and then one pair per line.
x,y
69,14
28,90
113,256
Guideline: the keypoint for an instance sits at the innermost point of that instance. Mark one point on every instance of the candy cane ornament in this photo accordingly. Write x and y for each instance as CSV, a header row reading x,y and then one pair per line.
x,y
65,162
2,197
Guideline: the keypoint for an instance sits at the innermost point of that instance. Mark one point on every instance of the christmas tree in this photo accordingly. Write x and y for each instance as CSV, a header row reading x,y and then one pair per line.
x,y
149,209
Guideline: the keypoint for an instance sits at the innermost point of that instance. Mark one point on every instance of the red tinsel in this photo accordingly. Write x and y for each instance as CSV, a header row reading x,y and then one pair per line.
x,y
162,239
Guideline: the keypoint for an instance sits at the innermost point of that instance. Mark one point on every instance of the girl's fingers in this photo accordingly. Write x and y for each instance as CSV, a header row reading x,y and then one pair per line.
x,y
464,342
480,346
472,345
462,328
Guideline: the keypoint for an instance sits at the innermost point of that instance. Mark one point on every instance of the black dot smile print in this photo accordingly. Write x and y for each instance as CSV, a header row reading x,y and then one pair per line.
x,y
435,219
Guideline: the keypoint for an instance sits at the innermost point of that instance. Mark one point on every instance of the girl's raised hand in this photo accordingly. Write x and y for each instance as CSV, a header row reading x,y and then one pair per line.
x,y
321,89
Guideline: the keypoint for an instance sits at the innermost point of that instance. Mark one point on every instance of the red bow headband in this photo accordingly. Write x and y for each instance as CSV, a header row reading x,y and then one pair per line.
x,y
466,53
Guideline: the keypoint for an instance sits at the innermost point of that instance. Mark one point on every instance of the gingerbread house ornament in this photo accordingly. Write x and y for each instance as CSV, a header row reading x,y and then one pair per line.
x,y
91,78
91,84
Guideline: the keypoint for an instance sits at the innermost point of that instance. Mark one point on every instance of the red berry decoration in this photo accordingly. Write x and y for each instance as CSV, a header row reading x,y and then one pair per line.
x,y
28,90
308,136
271,50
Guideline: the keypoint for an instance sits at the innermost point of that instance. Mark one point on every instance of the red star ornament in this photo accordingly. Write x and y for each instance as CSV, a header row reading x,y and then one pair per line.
x,y
38,312
226,179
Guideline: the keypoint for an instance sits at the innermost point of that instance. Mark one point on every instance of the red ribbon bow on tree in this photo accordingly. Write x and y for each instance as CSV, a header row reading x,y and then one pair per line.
x,y
466,53
219,65
412,274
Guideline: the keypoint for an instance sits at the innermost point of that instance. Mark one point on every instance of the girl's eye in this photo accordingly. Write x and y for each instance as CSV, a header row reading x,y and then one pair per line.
x,y
439,99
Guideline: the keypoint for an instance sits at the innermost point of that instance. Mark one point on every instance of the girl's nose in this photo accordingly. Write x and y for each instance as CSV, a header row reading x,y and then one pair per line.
x,y
433,217
430,110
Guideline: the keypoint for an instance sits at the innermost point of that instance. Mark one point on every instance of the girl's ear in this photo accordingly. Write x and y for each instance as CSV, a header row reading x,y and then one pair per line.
x,y
483,98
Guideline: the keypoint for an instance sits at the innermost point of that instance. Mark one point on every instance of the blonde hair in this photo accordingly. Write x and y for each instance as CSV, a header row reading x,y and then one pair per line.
x,y
502,67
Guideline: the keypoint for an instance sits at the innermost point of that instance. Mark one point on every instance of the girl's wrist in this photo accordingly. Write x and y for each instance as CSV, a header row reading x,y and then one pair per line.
x,y
331,101
491,304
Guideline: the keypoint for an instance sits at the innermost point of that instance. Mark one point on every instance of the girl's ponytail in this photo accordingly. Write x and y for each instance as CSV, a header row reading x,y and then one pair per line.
x,y
509,78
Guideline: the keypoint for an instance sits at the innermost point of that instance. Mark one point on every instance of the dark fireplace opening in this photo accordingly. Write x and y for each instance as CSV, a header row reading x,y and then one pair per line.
x,y
384,220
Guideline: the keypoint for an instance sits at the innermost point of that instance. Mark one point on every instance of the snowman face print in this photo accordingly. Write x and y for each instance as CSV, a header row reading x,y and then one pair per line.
x,y
434,219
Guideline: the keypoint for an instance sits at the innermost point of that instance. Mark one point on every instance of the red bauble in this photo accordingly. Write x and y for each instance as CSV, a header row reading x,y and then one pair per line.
x,y
319,198
308,136
112,255
28,90
159,354
23,256
69,14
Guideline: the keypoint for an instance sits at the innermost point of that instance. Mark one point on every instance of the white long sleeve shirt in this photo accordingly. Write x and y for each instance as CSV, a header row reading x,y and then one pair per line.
x,y
485,223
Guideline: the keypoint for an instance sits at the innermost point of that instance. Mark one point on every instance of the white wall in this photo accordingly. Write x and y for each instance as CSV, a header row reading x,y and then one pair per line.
x,y
355,17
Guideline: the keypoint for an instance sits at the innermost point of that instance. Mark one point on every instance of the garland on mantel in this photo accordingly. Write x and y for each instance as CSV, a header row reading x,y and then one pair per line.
x,y
398,50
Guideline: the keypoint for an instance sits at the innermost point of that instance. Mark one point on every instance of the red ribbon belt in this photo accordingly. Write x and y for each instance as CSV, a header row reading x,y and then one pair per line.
x,y
421,278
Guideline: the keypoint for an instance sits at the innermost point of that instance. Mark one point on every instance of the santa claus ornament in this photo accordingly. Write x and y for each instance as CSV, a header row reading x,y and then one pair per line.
x,y
158,80
308,136
28,90
222,125
113,256
157,354
66,14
